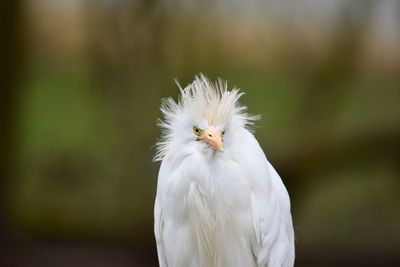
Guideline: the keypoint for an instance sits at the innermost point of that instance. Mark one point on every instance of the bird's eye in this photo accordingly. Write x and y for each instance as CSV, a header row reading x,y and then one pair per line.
x,y
223,133
196,131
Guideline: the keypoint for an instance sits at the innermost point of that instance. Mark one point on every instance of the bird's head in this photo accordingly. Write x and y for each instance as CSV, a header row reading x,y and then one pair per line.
x,y
203,120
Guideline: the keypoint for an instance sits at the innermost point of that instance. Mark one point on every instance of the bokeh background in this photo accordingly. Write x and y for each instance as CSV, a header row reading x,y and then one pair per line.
x,y
81,87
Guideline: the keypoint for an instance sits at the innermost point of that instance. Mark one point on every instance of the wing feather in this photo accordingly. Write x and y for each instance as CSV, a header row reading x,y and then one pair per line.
x,y
273,225
270,203
158,232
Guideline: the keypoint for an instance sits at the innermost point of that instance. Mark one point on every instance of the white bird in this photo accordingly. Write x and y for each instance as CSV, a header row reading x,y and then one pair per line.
x,y
219,202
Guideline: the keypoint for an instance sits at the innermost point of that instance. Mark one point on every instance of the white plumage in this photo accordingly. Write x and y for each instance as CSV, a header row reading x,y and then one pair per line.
x,y
219,202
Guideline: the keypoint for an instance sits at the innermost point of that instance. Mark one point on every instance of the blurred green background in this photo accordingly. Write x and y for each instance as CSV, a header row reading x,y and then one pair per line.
x,y
82,83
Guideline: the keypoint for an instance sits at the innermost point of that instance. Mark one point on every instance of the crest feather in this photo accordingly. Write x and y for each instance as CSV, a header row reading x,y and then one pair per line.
x,y
203,100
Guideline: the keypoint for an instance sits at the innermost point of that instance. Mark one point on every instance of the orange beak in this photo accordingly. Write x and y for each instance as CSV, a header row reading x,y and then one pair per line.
x,y
213,138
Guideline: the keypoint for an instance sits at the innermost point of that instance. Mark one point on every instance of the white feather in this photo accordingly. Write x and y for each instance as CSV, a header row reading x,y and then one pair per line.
x,y
199,101
218,209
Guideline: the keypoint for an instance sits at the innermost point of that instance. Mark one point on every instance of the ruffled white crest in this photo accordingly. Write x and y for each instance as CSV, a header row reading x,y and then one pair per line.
x,y
202,100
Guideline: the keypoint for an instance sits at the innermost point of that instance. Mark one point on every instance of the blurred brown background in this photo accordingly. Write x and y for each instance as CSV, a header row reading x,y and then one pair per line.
x,y
81,87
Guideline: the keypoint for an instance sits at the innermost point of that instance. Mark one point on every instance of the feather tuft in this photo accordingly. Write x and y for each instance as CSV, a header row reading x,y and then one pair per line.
x,y
201,99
